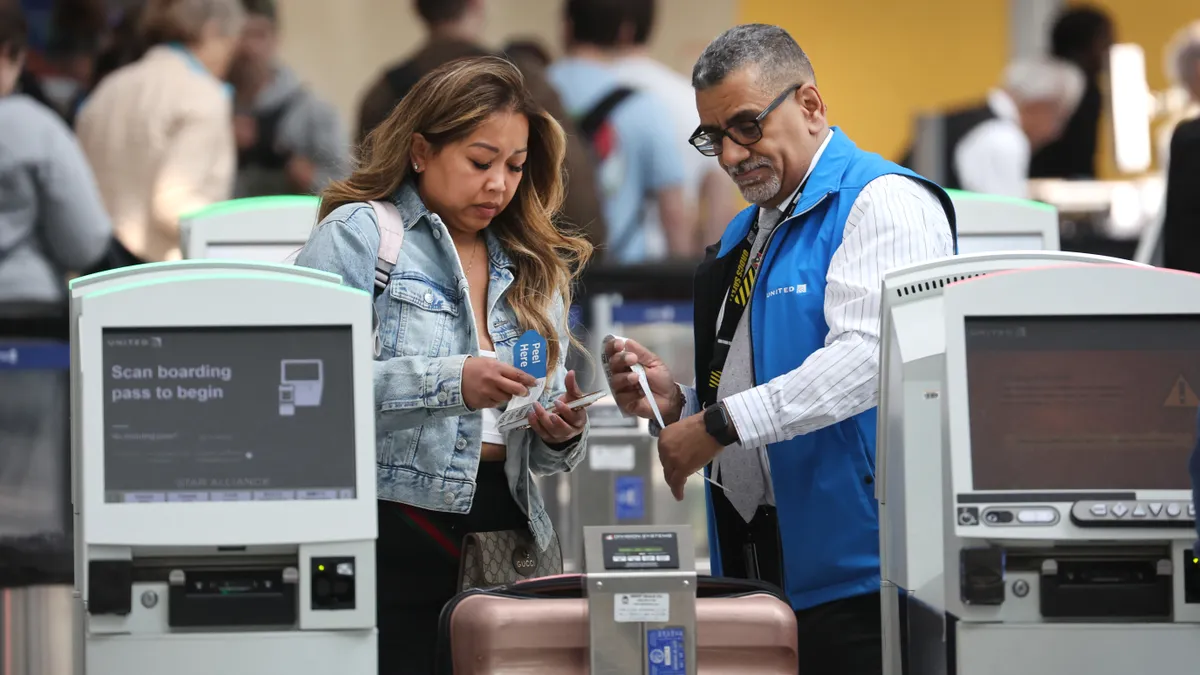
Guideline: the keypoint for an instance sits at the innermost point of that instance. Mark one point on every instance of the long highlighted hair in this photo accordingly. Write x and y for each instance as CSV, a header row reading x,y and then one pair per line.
x,y
447,105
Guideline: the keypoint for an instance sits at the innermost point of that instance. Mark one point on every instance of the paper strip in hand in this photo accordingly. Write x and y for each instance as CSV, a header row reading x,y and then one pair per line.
x,y
529,354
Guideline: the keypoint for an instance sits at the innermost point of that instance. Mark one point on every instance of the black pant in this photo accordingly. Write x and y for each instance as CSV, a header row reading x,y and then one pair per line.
x,y
843,637
416,559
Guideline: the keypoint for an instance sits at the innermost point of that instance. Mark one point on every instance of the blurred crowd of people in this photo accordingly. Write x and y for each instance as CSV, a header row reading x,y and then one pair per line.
x,y
128,118
136,118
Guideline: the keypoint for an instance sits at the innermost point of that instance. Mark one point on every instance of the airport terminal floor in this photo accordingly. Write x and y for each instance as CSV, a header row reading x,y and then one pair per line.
x,y
211,503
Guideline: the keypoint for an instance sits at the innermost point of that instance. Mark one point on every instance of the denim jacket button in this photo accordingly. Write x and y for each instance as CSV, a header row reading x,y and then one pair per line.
x,y
442,396
461,444
448,498
437,234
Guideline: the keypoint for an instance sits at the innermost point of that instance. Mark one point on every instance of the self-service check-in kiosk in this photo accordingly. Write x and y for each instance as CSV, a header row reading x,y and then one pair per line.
x,y
214,532
1069,419
909,446
989,223
641,596
268,229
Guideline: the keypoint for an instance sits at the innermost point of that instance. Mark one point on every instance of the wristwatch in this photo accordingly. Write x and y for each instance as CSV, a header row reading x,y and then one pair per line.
x,y
719,424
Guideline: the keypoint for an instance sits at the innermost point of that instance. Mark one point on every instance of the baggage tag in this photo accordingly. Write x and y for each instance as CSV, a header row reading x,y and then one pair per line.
x,y
529,355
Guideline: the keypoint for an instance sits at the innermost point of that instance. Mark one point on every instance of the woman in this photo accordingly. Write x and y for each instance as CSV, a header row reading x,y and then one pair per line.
x,y
474,167
158,132
51,219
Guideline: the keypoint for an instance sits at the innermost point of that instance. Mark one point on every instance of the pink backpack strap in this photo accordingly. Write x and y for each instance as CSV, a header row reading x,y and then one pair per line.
x,y
391,237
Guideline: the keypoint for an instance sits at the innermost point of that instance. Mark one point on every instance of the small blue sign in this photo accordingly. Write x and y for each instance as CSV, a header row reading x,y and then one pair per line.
x,y
529,354
665,653
35,356
630,498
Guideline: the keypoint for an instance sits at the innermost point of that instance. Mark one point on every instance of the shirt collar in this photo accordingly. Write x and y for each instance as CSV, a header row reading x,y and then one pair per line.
x,y
811,165
1003,105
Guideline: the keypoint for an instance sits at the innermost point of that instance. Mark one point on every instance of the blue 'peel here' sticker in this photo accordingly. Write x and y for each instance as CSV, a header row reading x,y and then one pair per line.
x,y
665,651
529,354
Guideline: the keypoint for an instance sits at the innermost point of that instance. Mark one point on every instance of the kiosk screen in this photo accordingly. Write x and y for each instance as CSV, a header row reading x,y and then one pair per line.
x,y
1082,403
228,414
35,441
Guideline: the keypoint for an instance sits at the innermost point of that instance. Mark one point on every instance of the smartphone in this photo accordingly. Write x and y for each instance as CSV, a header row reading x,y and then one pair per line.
x,y
518,419
586,400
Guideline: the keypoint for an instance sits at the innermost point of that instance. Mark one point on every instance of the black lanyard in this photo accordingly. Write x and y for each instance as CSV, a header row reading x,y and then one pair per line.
x,y
740,290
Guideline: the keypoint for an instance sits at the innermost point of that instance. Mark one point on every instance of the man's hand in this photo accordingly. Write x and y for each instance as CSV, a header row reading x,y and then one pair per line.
x,y
683,449
622,355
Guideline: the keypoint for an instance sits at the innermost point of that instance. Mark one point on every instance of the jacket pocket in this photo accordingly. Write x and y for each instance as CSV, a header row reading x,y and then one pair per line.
x,y
422,316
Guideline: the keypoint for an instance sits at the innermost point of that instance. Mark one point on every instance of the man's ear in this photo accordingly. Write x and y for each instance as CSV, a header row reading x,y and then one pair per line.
x,y
422,151
813,104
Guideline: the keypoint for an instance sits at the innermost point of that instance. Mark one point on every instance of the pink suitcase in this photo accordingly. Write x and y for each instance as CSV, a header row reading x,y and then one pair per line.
x,y
541,626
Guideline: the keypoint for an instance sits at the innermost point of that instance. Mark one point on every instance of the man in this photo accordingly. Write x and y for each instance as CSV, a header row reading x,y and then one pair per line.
x,y
637,163
289,141
455,32
1183,72
989,147
706,190
1181,217
788,389
1082,35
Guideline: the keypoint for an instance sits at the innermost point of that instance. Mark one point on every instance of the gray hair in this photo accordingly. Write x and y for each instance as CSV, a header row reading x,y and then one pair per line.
x,y
781,62
1183,55
1045,79
184,20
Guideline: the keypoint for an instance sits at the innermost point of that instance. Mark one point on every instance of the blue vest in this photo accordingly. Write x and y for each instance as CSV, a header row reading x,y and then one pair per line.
x,y
824,480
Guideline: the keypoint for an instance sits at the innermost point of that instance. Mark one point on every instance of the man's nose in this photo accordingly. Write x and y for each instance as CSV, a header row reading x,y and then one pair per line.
x,y
732,154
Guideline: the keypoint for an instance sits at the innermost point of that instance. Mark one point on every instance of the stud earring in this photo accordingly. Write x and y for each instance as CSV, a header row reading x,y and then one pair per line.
x,y
416,168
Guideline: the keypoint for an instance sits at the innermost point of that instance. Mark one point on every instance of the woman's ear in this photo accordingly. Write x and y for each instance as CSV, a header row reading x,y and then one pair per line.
x,y
421,152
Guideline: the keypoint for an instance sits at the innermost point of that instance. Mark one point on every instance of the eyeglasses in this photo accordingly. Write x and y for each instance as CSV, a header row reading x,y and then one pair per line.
x,y
745,133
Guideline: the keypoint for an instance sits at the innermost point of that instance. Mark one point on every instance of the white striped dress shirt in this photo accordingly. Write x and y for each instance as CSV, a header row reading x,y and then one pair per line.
x,y
895,221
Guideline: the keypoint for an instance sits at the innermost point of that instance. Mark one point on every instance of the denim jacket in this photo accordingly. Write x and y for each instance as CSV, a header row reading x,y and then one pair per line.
x,y
428,441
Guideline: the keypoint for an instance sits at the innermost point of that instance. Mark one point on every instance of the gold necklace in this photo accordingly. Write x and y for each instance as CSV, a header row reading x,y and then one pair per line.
x,y
471,262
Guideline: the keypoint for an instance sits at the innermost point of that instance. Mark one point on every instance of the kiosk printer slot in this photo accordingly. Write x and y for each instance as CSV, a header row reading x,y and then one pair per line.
x,y
270,229
1070,416
214,533
908,455
991,223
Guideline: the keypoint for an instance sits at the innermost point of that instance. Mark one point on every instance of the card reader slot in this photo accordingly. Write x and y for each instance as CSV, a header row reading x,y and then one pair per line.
x,y
248,596
1111,588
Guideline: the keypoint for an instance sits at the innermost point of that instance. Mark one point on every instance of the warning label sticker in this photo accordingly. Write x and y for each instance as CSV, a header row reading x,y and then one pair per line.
x,y
1182,395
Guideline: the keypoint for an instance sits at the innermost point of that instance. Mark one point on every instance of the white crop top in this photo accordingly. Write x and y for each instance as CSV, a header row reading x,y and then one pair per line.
x,y
491,416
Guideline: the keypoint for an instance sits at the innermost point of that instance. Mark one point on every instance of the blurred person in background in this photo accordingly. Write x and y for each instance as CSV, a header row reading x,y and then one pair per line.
x,y
1183,72
79,33
1083,35
158,132
126,44
989,146
706,190
289,140
632,136
456,29
530,50
52,221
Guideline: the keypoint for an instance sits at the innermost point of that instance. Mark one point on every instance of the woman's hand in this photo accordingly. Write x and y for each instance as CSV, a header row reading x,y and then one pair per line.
x,y
488,383
564,424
